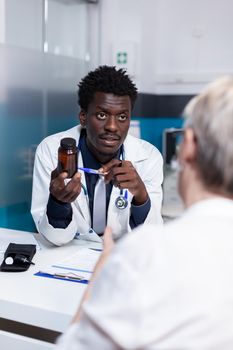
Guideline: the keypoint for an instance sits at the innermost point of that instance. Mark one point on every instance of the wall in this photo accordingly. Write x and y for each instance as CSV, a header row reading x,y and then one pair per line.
x,y
174,48
179,44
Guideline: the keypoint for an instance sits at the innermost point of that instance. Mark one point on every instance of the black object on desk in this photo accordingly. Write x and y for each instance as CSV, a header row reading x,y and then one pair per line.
x,y
18,257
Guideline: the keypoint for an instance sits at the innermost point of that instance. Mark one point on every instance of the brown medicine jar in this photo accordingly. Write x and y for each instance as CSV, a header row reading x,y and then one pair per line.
x,y
68,156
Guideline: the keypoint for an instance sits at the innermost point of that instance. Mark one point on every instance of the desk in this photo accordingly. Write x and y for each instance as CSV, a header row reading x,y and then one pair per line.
x,y
39,307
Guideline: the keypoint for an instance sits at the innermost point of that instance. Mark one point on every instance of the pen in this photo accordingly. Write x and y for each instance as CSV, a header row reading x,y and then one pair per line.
x,y
91,171
70,276
96,249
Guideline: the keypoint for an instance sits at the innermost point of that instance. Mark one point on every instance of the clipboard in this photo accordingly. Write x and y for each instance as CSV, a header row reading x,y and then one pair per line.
x,y
78,267
56,277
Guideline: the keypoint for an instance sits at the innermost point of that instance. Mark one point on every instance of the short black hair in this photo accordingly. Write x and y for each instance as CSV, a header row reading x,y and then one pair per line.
x,y
106,79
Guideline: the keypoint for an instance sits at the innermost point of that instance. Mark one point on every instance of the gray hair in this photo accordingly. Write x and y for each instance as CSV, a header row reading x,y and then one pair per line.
x,y
210,115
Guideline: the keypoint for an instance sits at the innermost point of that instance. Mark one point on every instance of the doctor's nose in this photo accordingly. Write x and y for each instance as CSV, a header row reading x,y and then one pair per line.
x,y
111,124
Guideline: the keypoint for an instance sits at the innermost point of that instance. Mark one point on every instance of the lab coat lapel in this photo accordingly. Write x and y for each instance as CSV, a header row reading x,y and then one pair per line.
x,y
133,152
118,218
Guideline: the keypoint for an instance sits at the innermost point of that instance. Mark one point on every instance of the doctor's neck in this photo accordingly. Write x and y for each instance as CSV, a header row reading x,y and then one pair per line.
x,y
103,157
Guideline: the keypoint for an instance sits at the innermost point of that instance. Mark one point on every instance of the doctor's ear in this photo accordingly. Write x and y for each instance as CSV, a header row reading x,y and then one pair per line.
x,y
82,118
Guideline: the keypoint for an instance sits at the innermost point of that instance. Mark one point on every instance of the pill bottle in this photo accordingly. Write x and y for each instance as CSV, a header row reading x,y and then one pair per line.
x,y
67,156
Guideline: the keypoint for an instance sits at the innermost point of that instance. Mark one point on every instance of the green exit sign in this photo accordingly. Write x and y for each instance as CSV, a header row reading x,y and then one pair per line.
x,y
122,57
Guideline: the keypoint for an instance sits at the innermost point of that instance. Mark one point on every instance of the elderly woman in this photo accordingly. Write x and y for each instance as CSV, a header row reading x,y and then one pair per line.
x,y
172,288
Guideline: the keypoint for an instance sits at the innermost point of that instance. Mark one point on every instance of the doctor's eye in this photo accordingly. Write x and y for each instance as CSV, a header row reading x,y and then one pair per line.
x,y
101,115
122,117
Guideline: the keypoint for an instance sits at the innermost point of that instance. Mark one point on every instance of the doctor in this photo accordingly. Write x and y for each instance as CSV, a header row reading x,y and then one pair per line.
x,y
133,169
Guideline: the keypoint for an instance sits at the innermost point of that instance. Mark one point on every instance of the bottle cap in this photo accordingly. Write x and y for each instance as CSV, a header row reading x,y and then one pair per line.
x,y
68,143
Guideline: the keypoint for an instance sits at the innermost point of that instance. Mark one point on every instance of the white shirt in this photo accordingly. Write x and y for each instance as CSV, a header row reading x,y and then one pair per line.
x,y
165,288
147,161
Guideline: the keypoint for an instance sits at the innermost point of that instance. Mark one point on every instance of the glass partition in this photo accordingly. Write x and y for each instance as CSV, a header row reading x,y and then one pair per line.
x,y
37,92
66,29
24,23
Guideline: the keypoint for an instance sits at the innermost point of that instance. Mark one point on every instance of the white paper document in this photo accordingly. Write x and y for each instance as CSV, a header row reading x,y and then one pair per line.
x,y
84,260
78,266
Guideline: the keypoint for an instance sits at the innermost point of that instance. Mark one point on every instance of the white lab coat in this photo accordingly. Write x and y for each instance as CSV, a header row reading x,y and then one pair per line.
x,y
145,158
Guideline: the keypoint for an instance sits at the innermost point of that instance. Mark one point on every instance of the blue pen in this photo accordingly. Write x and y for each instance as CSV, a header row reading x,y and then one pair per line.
x,y
91,171
96,249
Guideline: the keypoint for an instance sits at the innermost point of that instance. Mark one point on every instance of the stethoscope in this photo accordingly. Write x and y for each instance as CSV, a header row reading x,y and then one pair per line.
x,y
121,201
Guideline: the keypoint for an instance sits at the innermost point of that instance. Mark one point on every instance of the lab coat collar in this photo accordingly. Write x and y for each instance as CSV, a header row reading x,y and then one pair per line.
x,y
135,153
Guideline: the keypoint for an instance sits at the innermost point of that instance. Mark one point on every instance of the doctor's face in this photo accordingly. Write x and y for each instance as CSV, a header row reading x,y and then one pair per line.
x,y
107,123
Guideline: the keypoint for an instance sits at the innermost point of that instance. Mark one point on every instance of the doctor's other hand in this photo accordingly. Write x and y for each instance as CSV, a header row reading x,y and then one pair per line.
x,y
124,176
62,190
108,245
108,242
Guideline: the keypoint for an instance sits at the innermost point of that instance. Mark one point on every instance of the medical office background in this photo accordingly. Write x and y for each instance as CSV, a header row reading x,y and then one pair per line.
x,y
171,48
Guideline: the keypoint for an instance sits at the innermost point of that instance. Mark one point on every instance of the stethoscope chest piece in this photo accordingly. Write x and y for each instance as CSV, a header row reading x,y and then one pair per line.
x,y
121,202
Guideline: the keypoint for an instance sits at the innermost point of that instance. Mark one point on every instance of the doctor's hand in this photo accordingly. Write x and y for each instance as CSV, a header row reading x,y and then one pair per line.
x,y
64,191
124,176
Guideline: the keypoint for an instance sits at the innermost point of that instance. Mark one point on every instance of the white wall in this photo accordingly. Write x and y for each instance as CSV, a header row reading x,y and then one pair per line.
x,y
178,45
121,27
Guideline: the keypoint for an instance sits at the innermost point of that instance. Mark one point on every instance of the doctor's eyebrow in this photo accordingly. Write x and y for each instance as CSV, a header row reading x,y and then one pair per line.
x,y
102,109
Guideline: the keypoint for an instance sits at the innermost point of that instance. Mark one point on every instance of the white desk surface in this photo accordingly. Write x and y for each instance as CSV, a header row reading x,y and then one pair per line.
x,y
38,301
